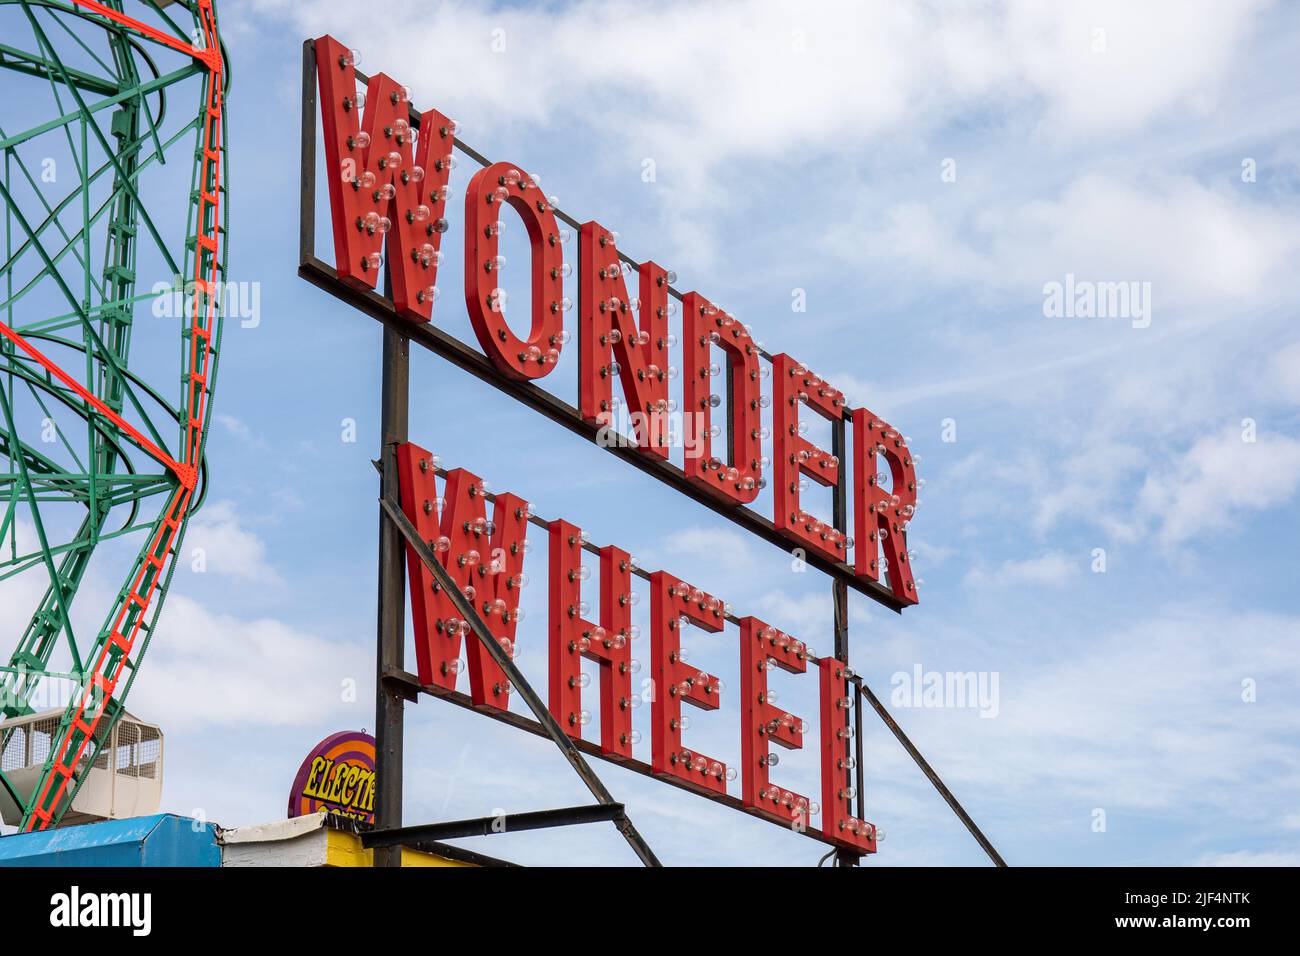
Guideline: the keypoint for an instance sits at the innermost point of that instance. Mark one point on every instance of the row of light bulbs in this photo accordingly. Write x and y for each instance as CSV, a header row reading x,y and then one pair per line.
x,y
534,353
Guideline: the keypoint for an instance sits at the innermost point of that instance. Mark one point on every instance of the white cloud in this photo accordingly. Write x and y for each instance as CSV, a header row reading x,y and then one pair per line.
x,y
809,616
1195,245
219,670
710,544
1285,371
1144,717
236,426
1153,58
228,548
1220,479
777,74
21,595
1047,570
785,83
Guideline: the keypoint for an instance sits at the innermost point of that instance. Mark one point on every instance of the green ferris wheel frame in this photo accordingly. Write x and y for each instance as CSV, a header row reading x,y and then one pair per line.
x,y
139,472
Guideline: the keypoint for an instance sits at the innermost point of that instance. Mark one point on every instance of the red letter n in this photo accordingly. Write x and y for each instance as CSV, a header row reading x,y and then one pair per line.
x,y
606,326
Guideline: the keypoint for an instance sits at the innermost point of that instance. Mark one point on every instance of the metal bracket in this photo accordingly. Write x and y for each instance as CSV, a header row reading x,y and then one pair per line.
x,y
501,823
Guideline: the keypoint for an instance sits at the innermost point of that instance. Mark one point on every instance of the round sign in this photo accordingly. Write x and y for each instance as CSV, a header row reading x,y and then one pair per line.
x,y
339,776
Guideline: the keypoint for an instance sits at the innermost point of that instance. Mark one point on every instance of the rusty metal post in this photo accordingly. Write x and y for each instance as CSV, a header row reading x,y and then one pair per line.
x,y
389,701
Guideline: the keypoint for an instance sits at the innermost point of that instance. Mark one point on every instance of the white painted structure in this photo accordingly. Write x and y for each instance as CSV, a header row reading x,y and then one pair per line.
x,y
124,781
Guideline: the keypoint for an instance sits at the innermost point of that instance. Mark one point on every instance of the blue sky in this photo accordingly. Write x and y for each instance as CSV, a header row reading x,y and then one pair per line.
x,y
808,151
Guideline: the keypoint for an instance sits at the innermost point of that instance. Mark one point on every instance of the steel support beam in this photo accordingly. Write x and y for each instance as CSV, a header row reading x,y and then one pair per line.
x,y
930,774
840,600
391,638
501,823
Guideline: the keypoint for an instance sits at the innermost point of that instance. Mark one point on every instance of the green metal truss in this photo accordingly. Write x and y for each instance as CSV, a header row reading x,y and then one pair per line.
x,y
95,461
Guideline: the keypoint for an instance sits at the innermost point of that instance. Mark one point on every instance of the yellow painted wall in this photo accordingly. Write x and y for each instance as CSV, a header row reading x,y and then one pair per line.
x,y
345,849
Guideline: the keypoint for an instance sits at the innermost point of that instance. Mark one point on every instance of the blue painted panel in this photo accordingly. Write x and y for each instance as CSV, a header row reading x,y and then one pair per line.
x,y
162,839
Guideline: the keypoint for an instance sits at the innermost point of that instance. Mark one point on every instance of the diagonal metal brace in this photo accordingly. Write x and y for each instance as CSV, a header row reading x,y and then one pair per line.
x,y
470,615
926,769
502,823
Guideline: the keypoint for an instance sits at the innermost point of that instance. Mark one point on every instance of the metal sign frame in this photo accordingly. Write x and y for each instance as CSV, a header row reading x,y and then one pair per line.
x,y
395,685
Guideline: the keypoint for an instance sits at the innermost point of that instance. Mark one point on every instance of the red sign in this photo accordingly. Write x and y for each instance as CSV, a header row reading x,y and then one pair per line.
x,y
388,195
485,557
